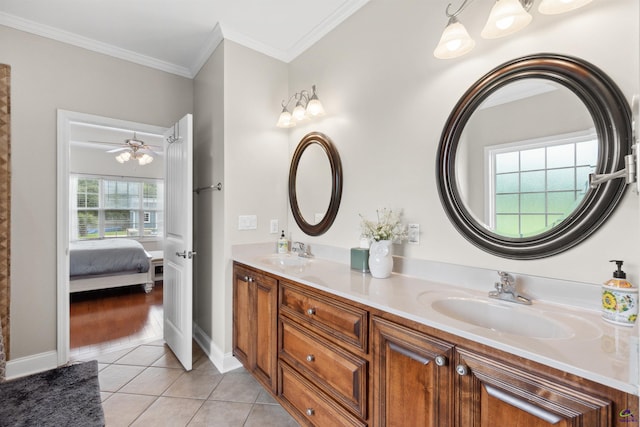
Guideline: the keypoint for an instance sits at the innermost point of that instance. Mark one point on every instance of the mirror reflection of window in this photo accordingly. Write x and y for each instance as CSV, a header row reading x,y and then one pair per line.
x,y
524,157
535,185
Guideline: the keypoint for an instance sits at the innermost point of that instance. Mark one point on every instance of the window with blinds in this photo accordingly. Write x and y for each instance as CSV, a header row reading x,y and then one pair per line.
x,y
112,207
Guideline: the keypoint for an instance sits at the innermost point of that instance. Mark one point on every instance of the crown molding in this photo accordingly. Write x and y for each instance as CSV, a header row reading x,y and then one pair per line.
x,y
90,44
208,47
319,31
348,8
217,35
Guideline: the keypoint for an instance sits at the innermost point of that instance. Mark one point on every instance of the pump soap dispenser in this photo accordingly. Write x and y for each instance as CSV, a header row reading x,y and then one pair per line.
x,y
619,299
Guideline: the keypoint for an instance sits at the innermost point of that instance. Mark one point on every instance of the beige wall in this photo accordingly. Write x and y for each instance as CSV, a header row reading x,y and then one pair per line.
x,y
47,76
238,93
388,98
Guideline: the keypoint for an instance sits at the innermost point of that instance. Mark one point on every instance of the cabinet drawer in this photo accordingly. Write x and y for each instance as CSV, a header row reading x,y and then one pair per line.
x,y
329,316
339,373
311,404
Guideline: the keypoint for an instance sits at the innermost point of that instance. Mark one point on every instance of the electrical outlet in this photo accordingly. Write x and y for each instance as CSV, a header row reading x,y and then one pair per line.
x,y
247,222
414,234
274,227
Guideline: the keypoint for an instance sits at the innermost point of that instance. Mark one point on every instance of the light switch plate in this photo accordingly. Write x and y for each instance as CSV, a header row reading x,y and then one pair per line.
x,y
414,234
274,227
247,222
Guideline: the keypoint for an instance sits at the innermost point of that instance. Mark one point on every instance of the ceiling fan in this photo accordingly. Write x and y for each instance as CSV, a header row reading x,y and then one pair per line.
x,y
135,149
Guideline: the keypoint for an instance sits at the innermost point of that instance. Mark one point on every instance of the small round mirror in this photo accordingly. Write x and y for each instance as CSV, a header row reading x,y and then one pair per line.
x,y
516,154
315,184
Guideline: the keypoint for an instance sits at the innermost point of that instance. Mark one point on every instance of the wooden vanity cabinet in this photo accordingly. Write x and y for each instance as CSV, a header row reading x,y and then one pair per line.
x,y
411,377
426,377
491,391
333,362
255,308
324,366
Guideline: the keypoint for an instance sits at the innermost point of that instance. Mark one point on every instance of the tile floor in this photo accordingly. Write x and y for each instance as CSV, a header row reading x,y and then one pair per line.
x,y
146,386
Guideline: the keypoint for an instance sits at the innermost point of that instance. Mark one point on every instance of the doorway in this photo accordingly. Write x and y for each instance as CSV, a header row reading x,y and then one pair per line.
x,y
94,142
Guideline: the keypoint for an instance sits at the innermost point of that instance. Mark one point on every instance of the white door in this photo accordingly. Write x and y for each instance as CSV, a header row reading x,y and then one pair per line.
x,y
178,242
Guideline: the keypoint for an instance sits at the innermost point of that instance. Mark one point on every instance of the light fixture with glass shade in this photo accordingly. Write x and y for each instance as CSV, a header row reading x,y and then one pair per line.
x,y
134,149
307,106
455,40
506,17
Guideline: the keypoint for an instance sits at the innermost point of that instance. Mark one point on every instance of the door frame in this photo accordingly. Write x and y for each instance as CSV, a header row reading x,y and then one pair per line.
x,y
64,119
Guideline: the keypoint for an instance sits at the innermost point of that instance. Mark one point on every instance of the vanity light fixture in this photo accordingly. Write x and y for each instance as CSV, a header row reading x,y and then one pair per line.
x,y
307,106
506,17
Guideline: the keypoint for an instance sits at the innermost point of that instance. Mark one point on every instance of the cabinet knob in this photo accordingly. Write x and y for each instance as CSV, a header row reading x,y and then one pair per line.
x,y
246,278
310,412
250,280
462,370
311,358
311,311
441,360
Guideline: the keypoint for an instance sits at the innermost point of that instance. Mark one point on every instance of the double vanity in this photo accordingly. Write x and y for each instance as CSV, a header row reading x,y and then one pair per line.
x,y
338,347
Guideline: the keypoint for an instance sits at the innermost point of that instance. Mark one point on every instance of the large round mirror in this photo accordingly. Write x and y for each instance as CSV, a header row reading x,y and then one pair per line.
x,y
315,184
517,150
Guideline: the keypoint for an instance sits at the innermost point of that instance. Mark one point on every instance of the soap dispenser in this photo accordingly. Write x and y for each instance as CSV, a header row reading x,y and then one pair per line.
x,y
619,299
283,244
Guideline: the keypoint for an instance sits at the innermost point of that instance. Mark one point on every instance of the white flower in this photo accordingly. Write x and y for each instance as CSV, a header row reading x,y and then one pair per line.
x,y
388,227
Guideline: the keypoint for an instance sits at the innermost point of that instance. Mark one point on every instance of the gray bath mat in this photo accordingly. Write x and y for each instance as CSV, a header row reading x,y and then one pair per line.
x,y
67,396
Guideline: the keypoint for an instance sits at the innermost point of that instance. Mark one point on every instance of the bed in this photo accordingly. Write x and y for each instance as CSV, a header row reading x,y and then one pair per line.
x,y
108,263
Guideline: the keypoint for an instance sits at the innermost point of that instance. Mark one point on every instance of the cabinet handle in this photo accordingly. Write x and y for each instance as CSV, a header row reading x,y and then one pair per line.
x,y
311,358
441,360
519,403
462,370
311,311
310,412
410,354
250,279
246,278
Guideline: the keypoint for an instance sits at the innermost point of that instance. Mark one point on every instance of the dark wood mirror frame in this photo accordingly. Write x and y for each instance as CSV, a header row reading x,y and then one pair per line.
x,y
336,188
611,115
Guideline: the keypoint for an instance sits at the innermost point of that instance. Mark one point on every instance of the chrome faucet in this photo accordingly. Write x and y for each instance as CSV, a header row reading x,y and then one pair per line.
x,y
506,290
300,249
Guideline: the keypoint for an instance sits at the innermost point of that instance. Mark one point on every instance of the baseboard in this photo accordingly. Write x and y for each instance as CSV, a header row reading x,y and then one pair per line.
x,y
224,362
32,364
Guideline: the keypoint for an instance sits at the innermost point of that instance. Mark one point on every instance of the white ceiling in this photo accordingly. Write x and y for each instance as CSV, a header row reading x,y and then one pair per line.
x,y
178,36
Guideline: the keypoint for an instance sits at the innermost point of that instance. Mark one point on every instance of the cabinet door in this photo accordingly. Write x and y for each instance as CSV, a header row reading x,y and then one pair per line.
x,y
491,392
266,327
412,377
242,315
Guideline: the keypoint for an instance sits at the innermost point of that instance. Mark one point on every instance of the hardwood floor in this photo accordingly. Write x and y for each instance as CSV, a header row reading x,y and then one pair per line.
x,y
113,319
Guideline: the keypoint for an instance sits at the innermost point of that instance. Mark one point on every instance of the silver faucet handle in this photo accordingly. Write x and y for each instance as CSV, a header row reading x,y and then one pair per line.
x,y
298,247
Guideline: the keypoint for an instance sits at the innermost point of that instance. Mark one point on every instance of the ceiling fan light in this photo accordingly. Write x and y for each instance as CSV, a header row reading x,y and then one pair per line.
x,y
554,7
506,17
126,156
119,158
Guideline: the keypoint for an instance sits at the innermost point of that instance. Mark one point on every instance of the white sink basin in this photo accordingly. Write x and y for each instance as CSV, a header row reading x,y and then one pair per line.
x,y
501,317
288,261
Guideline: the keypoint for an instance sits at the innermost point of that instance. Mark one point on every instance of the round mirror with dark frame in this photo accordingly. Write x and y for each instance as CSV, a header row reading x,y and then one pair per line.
x,y
315,184
516,152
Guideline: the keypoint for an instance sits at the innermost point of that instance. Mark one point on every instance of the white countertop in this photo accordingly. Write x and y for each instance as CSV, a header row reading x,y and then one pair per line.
x,y
588,347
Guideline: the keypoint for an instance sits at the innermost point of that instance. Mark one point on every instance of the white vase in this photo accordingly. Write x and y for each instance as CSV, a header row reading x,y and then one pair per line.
x,y
380,259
